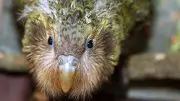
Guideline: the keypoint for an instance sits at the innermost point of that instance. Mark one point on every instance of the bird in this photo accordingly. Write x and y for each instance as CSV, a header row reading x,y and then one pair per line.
x,y
73,46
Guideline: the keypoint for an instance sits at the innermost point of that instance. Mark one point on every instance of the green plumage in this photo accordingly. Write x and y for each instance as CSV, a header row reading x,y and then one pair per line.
x,y
72,23
117,16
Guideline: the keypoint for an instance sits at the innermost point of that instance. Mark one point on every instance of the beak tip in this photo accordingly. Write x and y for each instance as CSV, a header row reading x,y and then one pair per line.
x,y
65,89
66,81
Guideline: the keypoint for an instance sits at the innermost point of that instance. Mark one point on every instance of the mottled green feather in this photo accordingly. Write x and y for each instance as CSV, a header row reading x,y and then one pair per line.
x,y
107,22
121,15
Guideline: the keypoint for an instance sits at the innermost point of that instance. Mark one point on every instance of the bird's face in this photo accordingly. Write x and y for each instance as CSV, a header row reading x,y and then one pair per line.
x,y
70,60
72,46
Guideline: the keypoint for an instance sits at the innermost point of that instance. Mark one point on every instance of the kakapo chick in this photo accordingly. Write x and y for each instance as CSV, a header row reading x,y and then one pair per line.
x,y
72,46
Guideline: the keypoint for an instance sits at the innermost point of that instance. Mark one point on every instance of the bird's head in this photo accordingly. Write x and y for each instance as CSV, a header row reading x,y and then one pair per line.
x,y
68,52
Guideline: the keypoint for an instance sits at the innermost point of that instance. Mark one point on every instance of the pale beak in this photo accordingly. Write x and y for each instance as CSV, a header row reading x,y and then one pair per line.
x,y
67,68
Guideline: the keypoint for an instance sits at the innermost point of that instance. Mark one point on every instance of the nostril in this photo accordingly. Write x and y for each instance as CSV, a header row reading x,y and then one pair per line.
x,y
74,62
60,61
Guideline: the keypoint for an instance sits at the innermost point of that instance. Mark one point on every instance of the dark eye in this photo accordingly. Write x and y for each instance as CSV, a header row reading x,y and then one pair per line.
x,y
90,43
50,40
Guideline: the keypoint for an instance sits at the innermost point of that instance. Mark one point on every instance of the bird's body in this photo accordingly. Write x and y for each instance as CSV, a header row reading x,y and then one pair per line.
x,y
72,46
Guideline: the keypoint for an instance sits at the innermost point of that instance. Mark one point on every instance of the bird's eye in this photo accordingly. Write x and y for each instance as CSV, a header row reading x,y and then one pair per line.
x,y
50,40
90,43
